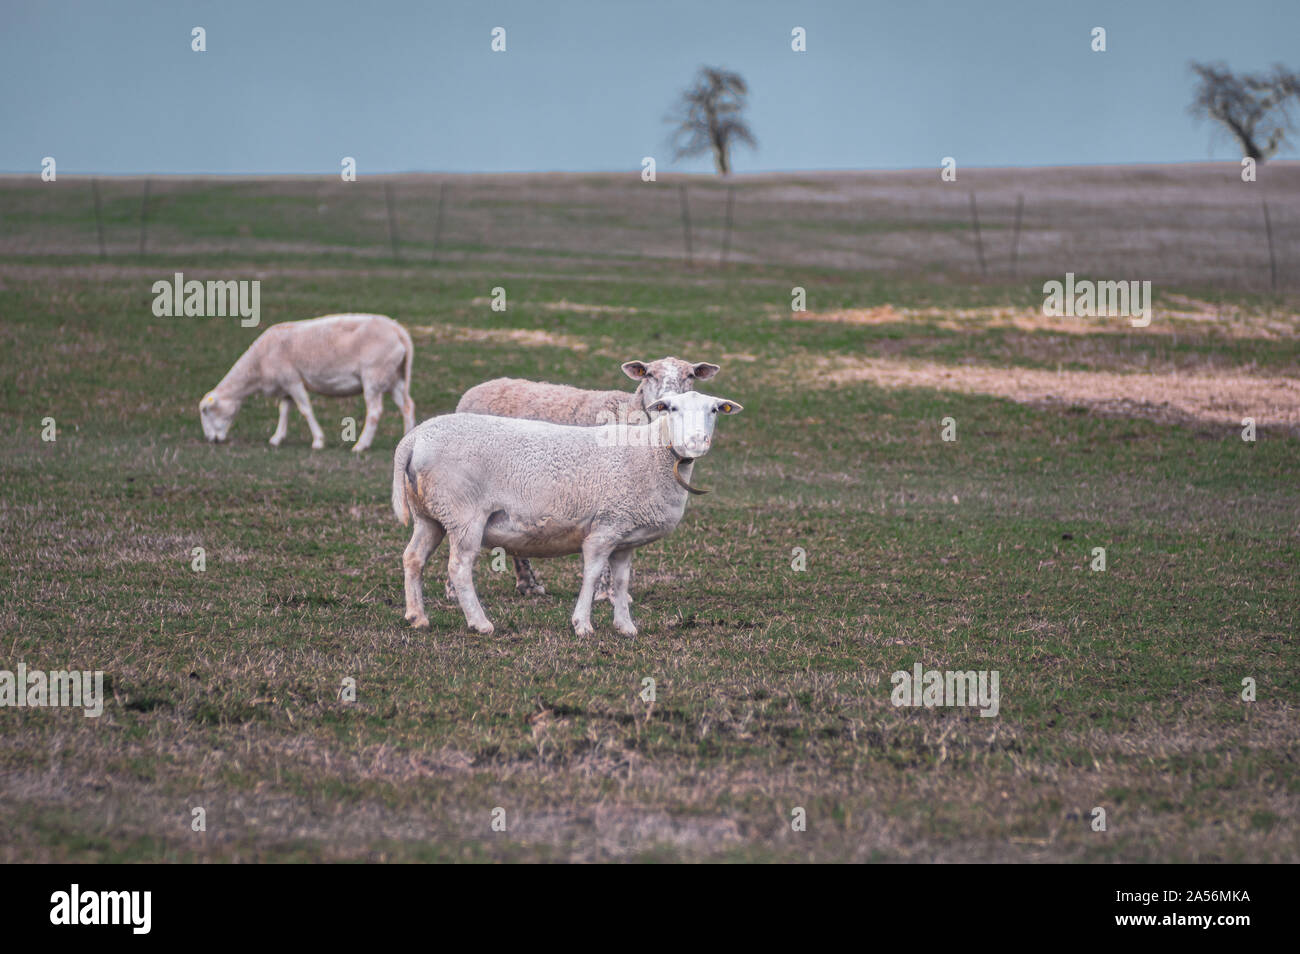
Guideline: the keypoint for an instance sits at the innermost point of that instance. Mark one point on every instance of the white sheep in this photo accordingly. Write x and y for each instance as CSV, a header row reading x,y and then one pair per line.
x,y
545,490
336,355
562,404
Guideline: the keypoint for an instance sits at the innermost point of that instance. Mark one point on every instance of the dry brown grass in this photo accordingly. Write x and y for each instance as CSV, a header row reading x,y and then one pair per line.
x,y
1223,398
528,337
1193,317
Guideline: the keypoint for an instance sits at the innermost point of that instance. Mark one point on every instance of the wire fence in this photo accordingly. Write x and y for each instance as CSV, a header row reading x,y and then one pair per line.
x,y
1186,225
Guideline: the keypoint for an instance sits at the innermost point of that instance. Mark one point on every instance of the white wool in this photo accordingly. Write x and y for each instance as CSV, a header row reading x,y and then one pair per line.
x,y
336,355
542,489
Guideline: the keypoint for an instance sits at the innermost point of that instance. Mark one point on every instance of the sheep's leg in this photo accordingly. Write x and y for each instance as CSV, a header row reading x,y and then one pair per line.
x,y
604,590
449,591
460,568
428,534
595,557
299,395
404,404
282,428
374,407
620,570
526,581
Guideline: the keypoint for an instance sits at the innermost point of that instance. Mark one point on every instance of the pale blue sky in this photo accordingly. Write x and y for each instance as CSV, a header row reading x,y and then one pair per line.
x,y
113,87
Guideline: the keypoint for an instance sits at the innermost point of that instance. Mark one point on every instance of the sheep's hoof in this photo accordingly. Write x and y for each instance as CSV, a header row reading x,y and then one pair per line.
x,y
629,630
317,445
583,629
359,449
417,620
530,589
483,629
276,441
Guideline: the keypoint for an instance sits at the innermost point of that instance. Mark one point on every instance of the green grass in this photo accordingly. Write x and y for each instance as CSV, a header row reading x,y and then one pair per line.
x,y
1119,689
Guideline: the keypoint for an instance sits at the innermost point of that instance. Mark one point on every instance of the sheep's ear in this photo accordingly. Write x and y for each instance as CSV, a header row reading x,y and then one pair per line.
x,y
728,407
636,370
209,399
659,405
704,370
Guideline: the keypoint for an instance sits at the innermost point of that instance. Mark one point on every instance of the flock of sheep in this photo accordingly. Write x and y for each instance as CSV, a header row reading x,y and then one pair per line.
x,y
540,470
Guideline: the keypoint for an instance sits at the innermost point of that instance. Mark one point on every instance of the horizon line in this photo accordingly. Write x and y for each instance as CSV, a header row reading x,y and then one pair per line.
x,y
636,172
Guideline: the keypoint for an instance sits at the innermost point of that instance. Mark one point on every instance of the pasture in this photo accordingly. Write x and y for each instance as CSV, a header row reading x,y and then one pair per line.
x,y
1120,688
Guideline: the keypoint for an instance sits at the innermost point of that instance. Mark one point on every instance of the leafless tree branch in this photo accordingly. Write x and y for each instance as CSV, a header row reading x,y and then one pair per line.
x,y
1253,107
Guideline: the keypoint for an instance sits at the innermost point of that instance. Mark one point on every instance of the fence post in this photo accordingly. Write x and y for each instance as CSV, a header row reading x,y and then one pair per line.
x,y
726,233
437,221
1272,261
979,242
392,217
686,223
99,219
1015,235
144,215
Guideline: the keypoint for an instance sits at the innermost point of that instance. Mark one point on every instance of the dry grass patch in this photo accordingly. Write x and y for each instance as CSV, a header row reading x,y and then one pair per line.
x,y
572,306
564,305
1191,317
1221,398
529,337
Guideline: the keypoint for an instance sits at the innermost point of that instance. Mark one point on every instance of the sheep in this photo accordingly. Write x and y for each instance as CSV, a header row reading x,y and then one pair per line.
x,y
543,490
561,404
335,355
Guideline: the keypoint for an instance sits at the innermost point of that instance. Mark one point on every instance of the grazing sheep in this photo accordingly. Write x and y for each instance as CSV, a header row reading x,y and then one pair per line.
x,y
541,489
337,355
561,404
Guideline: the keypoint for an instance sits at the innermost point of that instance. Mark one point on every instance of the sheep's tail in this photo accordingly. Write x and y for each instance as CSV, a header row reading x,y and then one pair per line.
x,y
401,460
410,359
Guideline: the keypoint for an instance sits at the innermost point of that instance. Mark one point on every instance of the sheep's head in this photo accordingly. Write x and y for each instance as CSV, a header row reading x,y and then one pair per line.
x,y
666,376
690,417
215,414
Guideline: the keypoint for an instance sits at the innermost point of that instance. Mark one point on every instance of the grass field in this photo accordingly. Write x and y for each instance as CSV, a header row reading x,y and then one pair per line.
x,y
1120,689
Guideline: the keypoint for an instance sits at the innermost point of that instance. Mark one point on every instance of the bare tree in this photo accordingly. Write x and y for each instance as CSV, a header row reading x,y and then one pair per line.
x,y
708,118
1253,107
